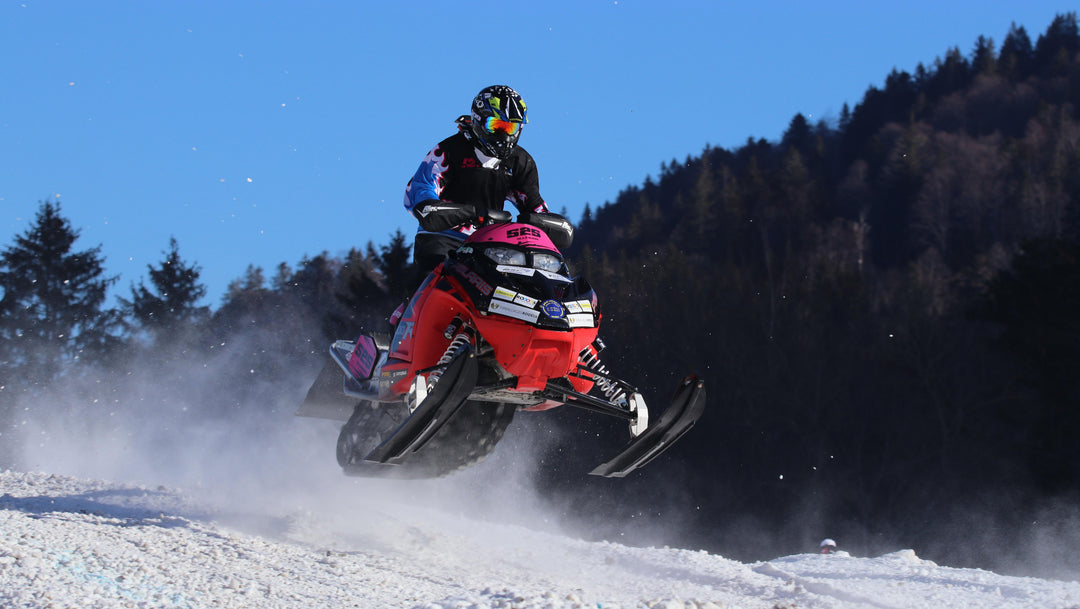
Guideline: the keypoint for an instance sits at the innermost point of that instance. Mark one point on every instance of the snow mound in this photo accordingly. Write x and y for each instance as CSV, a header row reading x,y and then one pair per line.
x,y
69,542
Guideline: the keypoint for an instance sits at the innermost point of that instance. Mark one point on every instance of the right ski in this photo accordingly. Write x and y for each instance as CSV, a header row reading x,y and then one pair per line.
x,y
685,409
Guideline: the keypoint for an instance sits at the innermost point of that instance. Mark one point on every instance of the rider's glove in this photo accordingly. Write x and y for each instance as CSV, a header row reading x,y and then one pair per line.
x,y
436,216
558,228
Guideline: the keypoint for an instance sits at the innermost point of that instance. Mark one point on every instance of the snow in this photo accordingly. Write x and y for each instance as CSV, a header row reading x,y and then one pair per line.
x,y
176,502
75,542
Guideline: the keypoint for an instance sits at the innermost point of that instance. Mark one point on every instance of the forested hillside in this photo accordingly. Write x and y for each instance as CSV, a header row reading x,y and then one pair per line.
x,y
885,307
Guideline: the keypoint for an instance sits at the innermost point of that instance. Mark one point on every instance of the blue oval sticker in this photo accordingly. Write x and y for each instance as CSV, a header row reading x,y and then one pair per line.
x,y
553,309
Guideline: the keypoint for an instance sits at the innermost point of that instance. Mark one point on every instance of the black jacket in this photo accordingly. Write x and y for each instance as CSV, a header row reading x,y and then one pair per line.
x,y
456,184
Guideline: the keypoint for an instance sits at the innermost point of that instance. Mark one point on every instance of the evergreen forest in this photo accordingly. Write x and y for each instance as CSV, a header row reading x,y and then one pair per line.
x,y
885,308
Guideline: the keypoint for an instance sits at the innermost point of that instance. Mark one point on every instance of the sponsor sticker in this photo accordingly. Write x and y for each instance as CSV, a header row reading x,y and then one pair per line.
x,y
526,301
553,309
516,270
505,294
554,276
580,320
510,309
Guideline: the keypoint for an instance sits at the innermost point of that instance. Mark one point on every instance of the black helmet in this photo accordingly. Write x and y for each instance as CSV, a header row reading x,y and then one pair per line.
x,y
498,115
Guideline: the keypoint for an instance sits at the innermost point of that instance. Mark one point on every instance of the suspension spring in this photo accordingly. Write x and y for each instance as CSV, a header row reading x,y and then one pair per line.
x,y
590,360
461,339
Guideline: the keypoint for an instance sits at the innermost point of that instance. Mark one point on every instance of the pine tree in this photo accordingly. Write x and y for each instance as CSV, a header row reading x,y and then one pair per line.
x,y
314,285
52,314
362,292
952,74
983,60
393,263
797,135
172,305
1017,54
1055,50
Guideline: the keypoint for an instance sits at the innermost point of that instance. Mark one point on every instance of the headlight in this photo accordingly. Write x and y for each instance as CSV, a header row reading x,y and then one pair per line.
x,y
502,255
547,262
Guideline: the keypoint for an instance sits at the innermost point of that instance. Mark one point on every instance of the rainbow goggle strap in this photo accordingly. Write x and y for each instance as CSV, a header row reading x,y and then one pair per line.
x,y
494,124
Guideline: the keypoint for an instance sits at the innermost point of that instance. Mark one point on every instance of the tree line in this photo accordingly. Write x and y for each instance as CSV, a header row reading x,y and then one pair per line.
x,y
57,330
885,307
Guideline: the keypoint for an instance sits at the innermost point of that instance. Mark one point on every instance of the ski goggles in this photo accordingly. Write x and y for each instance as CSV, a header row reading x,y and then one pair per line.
x,y
494,124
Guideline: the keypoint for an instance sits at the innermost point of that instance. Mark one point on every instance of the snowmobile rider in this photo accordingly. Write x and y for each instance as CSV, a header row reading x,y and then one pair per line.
x,y
466,179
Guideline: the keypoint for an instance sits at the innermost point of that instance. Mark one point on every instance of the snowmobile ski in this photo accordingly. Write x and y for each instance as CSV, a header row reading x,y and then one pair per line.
x,y
454,387
683,411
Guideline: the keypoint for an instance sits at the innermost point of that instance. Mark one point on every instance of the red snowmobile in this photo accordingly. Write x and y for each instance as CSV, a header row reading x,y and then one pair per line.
x,y
499,326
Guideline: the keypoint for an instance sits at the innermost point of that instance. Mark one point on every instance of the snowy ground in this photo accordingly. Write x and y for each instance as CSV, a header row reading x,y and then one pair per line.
x,y
180,504
74,542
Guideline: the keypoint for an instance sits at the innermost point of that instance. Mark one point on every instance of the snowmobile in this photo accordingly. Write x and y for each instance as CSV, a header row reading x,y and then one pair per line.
x,y
499,326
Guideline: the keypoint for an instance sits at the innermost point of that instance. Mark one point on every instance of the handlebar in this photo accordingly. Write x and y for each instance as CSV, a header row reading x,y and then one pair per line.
x,y
496,216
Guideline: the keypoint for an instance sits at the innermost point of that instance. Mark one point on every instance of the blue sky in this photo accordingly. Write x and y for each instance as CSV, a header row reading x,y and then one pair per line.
x,y
261,132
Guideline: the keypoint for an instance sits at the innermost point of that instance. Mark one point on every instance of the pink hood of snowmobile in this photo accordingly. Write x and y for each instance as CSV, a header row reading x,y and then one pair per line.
x,y
524,235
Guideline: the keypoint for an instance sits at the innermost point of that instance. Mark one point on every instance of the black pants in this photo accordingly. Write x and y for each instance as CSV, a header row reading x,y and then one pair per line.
x,y
428,251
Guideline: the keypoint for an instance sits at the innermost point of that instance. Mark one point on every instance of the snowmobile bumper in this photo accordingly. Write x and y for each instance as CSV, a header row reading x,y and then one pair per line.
x,y
684,410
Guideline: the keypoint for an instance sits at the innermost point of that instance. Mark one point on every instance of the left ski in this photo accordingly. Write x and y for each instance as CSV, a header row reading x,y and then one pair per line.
x,y
454,387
